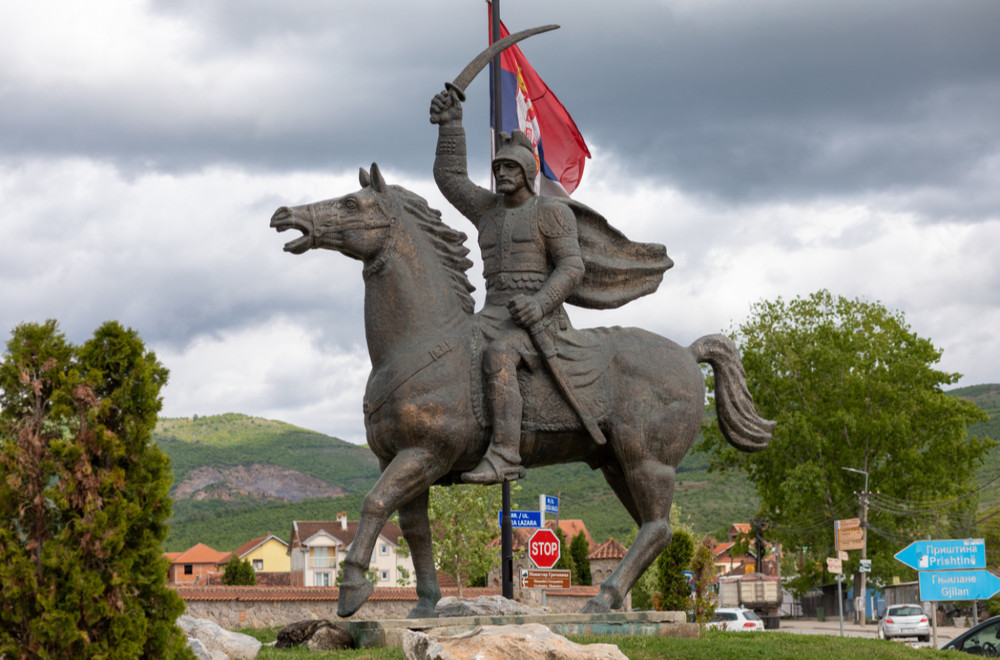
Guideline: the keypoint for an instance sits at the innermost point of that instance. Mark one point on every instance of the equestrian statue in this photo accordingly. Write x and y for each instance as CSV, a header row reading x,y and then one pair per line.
x,y
456,395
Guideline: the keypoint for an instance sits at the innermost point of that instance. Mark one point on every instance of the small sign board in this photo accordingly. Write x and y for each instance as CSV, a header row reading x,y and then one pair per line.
x,y
865,566
834,564
550,504
522,518
945,554
957,585
538,579
852,538
842,554
847,523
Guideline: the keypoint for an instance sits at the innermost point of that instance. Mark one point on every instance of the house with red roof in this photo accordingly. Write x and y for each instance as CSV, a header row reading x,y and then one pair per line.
x,y
316,549
604,559
266,554
194,565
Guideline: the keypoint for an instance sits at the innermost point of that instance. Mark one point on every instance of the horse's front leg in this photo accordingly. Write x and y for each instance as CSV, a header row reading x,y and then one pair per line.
x,y
409,474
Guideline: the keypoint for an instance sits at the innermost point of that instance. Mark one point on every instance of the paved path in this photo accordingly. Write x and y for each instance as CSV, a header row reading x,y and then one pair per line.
x,y
832,627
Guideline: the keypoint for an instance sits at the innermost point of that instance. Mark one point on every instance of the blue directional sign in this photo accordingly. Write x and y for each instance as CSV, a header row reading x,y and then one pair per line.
x,y
551,504
522,518
957,585
944,554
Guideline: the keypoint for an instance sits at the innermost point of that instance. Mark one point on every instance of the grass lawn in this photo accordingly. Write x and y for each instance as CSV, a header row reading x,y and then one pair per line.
x,y
713,645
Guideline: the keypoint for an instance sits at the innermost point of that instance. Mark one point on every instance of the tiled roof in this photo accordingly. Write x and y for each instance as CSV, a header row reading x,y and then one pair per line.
x,y
522,534
202,554
722,548
610,549
254,543
332,593
304,529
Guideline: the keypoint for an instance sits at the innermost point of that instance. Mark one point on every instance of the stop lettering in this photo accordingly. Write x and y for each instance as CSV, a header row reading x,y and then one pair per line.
x,y
543,548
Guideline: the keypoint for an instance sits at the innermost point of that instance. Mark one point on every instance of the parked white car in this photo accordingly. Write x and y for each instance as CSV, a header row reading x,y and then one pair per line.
x,y
905,620
735,619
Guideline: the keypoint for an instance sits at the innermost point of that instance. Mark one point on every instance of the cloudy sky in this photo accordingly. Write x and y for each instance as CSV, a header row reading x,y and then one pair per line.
x,y
776,147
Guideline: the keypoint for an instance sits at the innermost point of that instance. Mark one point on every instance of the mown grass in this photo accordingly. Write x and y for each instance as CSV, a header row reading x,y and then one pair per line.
x,y
713,645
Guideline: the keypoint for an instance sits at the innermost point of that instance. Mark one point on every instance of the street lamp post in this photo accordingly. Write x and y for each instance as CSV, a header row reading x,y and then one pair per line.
x,y
863,515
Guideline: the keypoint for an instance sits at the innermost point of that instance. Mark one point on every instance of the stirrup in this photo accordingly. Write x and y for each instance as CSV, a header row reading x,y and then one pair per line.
x,y
493,471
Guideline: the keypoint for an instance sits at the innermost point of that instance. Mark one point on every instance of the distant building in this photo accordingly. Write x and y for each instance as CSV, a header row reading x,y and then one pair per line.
x,y
570,527
317,548
604,560
266,554
729,562
194,565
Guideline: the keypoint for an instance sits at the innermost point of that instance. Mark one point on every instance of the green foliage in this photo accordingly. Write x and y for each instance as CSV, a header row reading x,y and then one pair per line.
x,y
579,549
463,522
672,590
565,562
850,385
83,499
239,573
703,599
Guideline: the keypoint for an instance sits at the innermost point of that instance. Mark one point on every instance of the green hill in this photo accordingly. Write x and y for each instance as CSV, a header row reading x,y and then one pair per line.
x,y
236,478
986,397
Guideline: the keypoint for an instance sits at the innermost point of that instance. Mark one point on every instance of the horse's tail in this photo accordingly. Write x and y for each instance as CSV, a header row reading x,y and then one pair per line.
x,y
738,419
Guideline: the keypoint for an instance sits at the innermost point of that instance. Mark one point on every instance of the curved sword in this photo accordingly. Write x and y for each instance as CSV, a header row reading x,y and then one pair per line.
x,y
473,68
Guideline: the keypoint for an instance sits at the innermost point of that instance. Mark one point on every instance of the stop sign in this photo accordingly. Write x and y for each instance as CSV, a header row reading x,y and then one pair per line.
x,y
543,548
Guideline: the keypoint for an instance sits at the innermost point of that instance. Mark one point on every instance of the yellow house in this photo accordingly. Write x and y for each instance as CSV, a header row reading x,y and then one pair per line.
x,y
267,554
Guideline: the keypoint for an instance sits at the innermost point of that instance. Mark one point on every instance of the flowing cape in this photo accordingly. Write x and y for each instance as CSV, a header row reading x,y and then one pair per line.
x,y
617,270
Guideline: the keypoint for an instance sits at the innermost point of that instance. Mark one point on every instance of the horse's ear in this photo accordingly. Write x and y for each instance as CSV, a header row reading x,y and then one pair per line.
x,y
377,181
365,179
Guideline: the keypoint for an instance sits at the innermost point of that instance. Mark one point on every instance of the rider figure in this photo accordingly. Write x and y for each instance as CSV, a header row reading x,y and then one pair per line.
x,y
531,262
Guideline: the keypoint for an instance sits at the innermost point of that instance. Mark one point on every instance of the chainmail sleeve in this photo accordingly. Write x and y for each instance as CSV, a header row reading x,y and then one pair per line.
x,y
452,176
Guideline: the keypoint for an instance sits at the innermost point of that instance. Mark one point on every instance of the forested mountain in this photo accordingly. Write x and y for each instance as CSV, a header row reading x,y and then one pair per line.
x,y
238,477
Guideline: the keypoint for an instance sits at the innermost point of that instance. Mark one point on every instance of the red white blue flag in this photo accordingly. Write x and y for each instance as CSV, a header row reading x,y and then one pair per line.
x,y
529,105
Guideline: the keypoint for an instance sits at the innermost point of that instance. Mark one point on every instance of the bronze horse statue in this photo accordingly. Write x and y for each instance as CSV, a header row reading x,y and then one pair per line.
x,y
423,403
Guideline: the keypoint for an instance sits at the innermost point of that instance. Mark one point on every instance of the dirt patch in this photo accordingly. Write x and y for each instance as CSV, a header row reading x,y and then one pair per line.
x,y
256,479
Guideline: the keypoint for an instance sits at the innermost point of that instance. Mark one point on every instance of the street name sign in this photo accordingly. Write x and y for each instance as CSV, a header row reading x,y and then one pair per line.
x,y
549,504
847,523
834,564
522,518
537,579
957,585
945,554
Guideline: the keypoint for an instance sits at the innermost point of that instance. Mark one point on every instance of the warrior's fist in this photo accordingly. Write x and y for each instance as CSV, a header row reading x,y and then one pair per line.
x,y
446,108
525,311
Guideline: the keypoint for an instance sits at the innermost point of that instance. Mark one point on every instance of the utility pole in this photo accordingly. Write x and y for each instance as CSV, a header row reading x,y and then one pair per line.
x,y
862,579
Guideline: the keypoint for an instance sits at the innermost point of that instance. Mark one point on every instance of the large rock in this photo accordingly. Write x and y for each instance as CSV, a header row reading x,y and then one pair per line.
x,y
221,644
315,634
531,641
483,606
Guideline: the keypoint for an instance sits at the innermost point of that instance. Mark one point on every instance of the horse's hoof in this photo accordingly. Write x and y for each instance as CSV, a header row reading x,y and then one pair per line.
x,y
595,606
423,610
352,597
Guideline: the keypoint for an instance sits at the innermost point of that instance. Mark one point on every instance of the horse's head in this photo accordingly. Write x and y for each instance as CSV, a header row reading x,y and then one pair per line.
x,y
357,224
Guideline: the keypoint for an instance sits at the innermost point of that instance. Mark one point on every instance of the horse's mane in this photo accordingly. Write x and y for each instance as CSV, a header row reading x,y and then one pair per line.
x,y
449,243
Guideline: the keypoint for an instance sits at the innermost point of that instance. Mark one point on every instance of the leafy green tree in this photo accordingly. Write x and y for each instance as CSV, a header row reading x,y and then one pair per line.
x,y
83,499
703,567
579,549
565,562
238,573
463,522
851,386
672,590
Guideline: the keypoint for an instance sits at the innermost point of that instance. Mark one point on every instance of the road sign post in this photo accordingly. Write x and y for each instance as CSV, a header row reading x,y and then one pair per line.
x,y
543,548
946,554
552,579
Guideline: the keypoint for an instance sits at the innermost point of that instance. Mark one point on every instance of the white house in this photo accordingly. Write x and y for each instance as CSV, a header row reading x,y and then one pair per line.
x,y
317,549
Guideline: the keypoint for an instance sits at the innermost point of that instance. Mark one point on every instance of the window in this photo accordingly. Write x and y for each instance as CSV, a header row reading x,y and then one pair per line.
x,y
188,569
258,564
322,580
384,549
384,576
321,557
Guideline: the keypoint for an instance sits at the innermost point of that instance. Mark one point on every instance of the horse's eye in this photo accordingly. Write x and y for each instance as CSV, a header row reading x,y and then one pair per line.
x,y
351,204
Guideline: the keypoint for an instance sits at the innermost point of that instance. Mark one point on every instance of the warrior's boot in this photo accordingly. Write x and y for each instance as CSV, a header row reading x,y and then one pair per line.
x,y
502,461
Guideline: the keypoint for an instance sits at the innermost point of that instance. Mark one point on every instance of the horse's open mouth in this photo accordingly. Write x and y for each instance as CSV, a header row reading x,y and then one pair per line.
x,y
283,220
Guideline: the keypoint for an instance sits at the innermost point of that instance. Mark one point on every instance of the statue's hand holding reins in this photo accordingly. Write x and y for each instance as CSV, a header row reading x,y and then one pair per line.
x,y
525,311
446,108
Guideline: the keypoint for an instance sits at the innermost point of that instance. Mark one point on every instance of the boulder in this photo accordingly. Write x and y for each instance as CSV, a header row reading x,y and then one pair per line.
x,y
483,606
221,644
315,634
531,641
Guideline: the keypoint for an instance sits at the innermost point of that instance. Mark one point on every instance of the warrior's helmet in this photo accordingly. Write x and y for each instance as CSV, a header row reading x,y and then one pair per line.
x,y
517,148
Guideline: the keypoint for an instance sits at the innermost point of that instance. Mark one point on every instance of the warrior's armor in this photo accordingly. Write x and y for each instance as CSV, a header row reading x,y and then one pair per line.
x,y
530,250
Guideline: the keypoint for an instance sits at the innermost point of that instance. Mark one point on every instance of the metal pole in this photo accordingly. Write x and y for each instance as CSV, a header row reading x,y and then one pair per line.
x,y
506,529
840,603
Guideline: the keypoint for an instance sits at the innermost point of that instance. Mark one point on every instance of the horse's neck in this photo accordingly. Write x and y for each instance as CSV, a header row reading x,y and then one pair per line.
x,y
409,298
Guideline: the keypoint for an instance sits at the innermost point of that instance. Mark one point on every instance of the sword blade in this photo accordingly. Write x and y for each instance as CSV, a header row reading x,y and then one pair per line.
x,y
472,69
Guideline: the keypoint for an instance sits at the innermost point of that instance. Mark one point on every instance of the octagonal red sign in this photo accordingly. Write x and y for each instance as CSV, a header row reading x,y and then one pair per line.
x,y
543,548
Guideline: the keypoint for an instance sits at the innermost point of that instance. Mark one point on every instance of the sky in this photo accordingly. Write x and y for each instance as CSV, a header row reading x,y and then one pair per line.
x,y
776,147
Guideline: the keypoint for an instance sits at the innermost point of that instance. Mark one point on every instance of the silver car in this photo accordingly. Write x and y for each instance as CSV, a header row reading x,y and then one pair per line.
x,y
735,619
907,620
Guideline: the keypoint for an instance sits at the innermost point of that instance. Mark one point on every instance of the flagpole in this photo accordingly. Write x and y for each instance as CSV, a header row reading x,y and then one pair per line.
x,y
506,529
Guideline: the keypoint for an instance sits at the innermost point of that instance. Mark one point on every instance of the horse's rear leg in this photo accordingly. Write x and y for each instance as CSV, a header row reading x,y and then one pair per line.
x,y
650,488
409,474
417,531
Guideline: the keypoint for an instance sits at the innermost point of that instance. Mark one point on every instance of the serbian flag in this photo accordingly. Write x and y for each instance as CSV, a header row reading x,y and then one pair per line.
x,y
529,105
